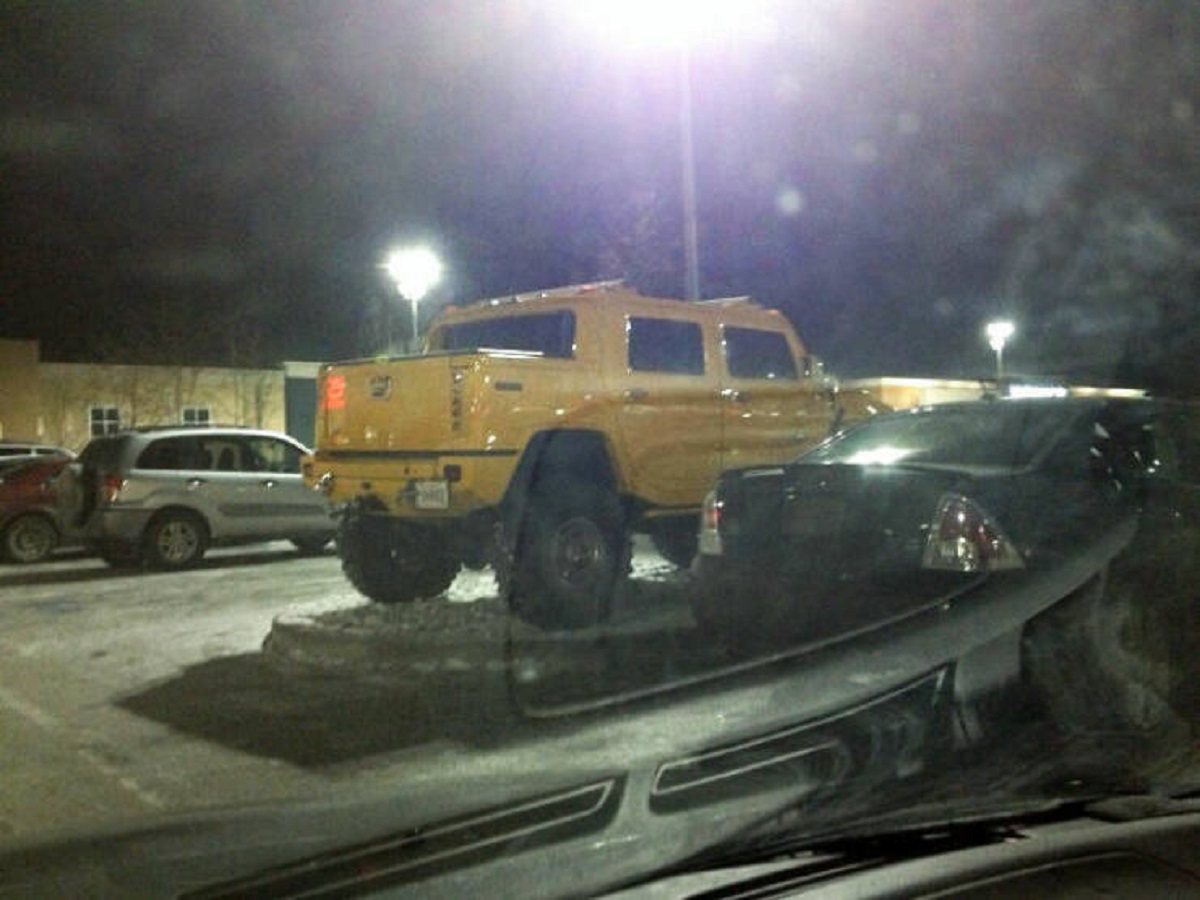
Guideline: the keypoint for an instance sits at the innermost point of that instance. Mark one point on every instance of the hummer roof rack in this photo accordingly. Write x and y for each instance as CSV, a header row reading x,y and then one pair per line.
x,y
594,287
728,301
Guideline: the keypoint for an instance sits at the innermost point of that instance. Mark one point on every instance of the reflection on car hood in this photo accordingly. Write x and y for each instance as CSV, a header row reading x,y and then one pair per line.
x,y
570,831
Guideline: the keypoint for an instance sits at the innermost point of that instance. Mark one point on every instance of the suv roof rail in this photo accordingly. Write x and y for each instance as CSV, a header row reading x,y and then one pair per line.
x,y
592,287
180,426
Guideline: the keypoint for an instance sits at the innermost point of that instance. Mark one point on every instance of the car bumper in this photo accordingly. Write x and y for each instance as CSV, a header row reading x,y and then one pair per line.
x,y
117,527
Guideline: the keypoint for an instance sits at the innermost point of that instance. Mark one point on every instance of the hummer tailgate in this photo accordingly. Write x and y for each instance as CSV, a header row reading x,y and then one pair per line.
x,y
380,408
419,434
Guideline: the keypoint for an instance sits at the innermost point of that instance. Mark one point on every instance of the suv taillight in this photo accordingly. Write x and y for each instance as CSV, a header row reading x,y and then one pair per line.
x,y
111,487
963,538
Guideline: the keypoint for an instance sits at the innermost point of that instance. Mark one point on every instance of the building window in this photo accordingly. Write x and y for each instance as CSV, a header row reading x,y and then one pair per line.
x,y
104,420
196,415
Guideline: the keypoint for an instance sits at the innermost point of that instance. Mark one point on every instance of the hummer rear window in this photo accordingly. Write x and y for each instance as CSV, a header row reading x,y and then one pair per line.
x,y
550,334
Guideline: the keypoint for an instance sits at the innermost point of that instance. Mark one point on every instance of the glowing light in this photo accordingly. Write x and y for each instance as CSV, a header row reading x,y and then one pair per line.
x,y
998,334
672,23
789,202
1036,391
878,456
414,271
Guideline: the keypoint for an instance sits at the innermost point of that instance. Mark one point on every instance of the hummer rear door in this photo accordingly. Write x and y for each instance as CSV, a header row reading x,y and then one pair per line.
x,y
770,409
669,421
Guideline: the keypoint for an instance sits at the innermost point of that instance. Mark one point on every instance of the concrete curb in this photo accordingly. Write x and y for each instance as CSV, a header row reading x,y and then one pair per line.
x,y
356,642
447,635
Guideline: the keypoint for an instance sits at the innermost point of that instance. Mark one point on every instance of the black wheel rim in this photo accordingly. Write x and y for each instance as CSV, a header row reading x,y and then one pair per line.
x,y
579,553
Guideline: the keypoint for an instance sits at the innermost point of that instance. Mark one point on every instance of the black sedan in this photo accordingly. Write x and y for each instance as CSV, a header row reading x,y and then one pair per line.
x,y
919,508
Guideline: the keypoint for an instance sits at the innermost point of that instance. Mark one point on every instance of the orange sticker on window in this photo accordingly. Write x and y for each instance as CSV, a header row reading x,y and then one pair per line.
x,y
334,393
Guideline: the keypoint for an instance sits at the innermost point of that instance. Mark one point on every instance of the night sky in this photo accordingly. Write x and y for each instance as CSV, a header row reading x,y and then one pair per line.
x,y
218,182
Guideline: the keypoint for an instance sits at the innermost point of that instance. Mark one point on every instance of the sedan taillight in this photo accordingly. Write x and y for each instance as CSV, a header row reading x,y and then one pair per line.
x,y
710,525
963,538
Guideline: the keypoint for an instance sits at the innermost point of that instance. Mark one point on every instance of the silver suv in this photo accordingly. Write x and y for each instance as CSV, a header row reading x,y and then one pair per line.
x,y
161,496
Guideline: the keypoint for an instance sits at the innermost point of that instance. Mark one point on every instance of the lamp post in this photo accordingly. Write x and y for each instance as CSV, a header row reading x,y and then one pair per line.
x,y
998,333
678,27
413,270
691,231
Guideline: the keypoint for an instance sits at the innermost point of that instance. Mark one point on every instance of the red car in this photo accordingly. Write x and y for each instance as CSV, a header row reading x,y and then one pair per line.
x,y
30,527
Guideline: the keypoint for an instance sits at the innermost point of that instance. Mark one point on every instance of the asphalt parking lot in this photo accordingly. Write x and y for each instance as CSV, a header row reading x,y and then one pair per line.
x,y
141,692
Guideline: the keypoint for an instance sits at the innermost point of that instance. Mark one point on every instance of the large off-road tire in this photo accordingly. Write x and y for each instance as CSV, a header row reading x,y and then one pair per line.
x,y
393,561
29,539
676,540
175,539
570,554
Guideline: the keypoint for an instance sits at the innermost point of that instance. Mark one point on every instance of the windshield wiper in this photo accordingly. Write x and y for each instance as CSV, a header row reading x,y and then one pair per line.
x,y
939,829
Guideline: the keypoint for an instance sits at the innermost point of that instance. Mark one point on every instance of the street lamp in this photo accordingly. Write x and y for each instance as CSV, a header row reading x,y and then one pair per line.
x,y
678,26
998,334
414,270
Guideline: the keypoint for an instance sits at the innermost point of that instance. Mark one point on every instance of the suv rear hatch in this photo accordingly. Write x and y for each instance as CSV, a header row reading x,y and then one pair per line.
x,y
79,486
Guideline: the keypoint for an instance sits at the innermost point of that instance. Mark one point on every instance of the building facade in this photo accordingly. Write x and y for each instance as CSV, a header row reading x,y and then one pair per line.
x,y
70,403
905,393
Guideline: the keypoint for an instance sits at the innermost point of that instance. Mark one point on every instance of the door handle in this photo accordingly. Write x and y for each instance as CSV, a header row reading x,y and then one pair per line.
x,y
269,483
193,483
735,396
636,395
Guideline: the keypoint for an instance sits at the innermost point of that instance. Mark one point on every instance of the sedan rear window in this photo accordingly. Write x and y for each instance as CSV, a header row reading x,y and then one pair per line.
x,y
1002,435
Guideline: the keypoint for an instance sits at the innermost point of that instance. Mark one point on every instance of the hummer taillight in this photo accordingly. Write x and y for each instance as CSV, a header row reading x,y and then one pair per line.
x,y
333,392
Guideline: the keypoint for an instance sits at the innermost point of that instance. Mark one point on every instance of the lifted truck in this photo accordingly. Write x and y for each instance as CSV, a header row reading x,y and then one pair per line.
x,y
538,432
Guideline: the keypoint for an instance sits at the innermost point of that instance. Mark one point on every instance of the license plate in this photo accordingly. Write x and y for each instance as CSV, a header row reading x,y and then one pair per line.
x,y
433,494
813,517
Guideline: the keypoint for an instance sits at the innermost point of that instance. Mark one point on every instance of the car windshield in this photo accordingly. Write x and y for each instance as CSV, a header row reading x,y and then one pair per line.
x,y
526,446
1000,435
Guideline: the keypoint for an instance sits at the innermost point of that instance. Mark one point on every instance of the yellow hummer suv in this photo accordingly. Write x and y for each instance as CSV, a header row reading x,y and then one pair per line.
x,y
539,432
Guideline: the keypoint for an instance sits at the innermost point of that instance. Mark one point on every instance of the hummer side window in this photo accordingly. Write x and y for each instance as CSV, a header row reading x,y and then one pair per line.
x,y
751,353
665,345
